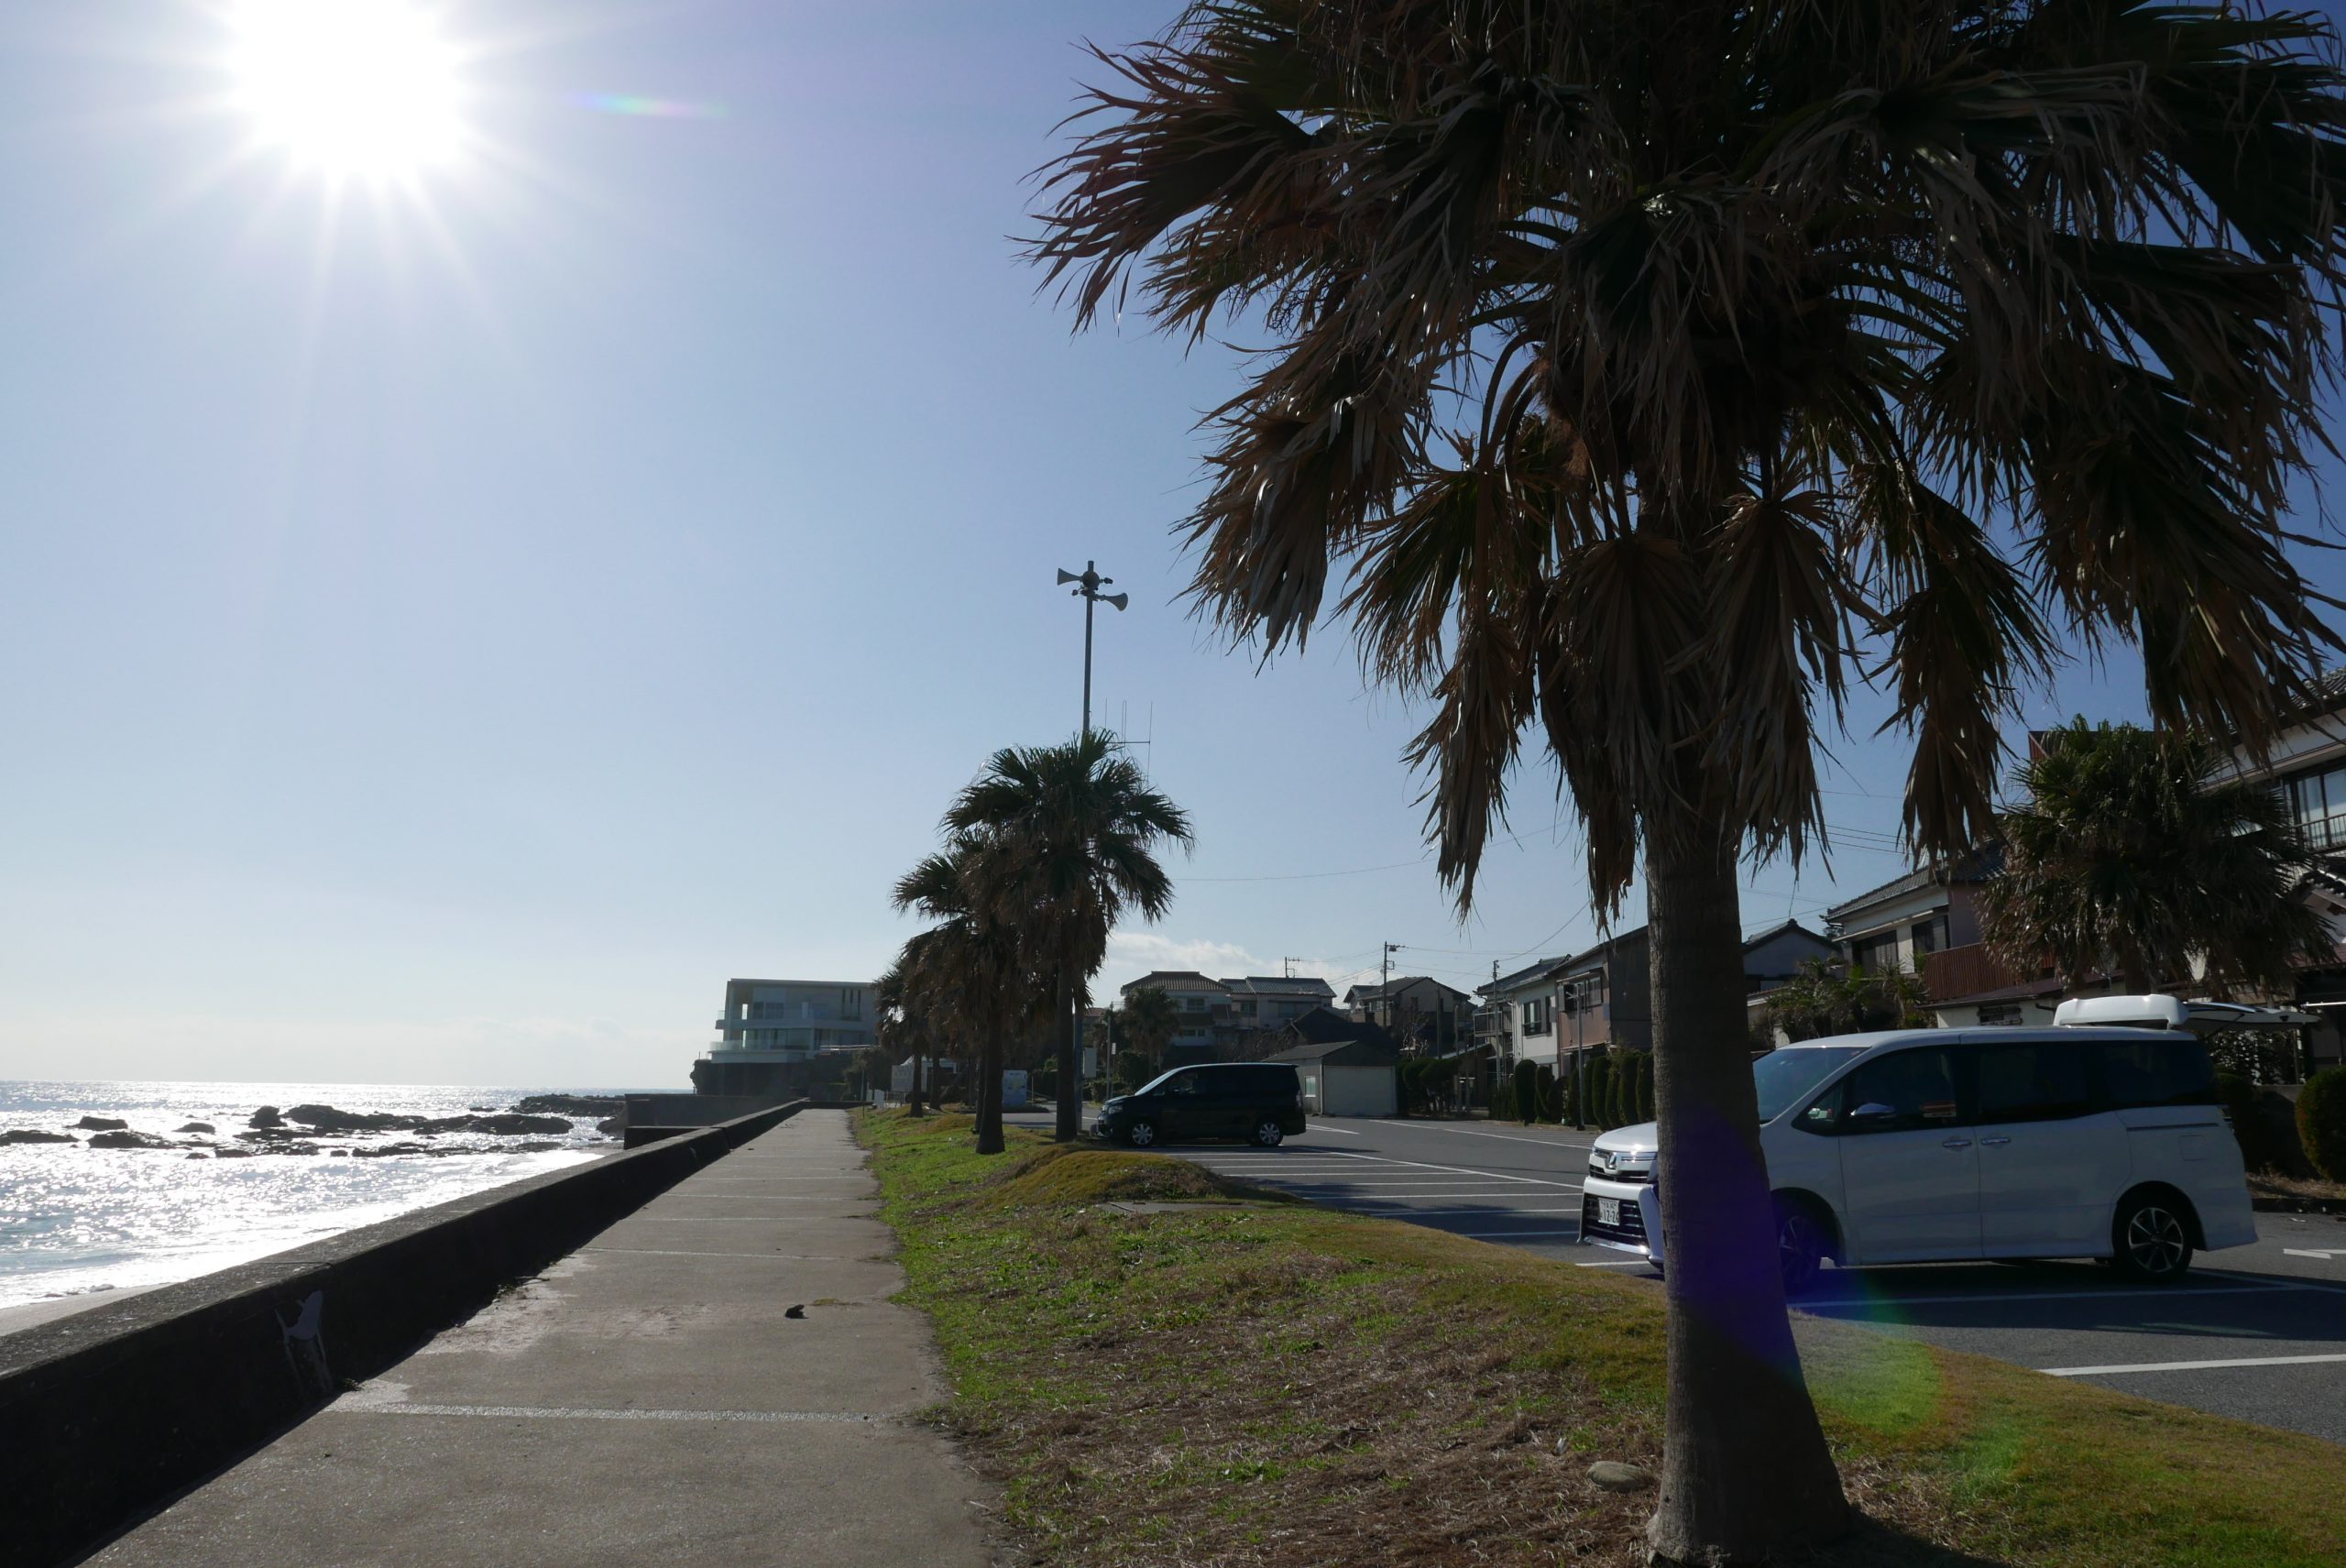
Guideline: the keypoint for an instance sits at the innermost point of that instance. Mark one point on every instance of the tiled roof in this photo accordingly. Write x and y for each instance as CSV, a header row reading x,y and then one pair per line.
x,y
1278,985
1976,865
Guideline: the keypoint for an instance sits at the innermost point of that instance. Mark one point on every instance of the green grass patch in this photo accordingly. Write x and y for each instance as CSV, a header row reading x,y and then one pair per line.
x,y
1244,1379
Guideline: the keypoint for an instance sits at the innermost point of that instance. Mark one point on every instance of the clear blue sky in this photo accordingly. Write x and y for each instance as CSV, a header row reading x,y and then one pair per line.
x,y
445,634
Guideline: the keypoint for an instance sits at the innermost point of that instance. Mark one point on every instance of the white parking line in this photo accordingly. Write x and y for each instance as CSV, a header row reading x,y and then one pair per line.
x,y
1340,1132
1503,1137
2190,1366
1430,1214
1399,1181
1617,1263
2325,1254
1454,1192
1464,1170
1510,1235
1997,1298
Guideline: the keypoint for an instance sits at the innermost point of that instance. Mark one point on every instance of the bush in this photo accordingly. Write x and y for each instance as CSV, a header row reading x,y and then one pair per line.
x,y
2322,1121
1641,1086
1549,1108
2239,1096
1525,1092
1600,1091
1568,1098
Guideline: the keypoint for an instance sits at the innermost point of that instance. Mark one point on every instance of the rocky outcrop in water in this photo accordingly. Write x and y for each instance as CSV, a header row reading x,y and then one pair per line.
x,y
508,1122
613,1126
123,1138
328,1119
267,1116
34,1135
101,1125
196,1127
569,1104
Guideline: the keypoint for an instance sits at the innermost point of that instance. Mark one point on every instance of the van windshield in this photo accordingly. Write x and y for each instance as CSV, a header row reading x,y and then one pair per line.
x,y
1159,1081
1784,1077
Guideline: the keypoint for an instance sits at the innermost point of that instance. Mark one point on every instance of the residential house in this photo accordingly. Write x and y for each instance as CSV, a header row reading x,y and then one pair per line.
x,y
2307,764
1271,1002
1200,1004
1776,956
1215,1016
1545,1012
1516,1019
1603,997
1422,1011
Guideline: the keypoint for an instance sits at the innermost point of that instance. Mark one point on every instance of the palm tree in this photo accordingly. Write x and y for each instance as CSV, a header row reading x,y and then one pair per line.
x,y
1640,368
973,974
1820,1000
2134,852
1077,827
1149,1022
904,1015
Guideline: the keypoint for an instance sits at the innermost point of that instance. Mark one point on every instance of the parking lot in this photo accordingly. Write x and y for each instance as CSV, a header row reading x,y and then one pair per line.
x,y
2258,1331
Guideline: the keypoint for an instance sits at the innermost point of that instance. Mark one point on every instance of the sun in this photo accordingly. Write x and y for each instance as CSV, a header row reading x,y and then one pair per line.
x,y
349,88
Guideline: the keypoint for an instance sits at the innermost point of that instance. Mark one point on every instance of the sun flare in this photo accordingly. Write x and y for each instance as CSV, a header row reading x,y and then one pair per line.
x,y
349,88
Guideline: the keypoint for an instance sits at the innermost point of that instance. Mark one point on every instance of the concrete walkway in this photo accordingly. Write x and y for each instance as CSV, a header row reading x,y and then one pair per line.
x,y
647,1399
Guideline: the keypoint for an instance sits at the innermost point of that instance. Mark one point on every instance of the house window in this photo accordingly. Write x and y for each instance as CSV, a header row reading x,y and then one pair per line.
x,y
1535,1017
2000,1014
2319,803
1877,954
1930,936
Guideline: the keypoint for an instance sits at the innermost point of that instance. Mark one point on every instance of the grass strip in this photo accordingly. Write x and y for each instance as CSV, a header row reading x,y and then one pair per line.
x,y
1162,1367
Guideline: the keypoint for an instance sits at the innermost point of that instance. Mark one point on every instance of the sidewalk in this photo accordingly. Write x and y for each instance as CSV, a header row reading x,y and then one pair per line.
x,y
646,1400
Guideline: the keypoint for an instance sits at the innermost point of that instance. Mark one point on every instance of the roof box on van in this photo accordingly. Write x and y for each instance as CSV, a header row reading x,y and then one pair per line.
x,y
2173,1013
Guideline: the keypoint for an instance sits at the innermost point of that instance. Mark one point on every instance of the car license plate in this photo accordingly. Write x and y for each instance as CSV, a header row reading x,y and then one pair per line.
x,y
1608,1211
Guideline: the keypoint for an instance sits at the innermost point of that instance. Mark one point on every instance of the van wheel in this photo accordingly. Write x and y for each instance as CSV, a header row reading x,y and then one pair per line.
x,y
1800,1247
1140,1135
2152,1238
1269,1133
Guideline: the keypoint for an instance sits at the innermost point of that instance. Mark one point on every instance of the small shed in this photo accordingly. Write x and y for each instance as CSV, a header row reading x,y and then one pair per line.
x,y
1347,1078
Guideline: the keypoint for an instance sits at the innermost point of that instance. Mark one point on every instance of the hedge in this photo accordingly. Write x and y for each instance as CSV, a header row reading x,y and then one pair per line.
x,y
2322,1121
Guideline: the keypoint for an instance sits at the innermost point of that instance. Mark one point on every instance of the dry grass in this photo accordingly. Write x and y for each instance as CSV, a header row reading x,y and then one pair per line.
x,y
1273,1386
2272,1184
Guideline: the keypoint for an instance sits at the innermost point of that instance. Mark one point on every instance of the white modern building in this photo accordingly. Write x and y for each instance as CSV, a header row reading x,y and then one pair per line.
x,y
790,1020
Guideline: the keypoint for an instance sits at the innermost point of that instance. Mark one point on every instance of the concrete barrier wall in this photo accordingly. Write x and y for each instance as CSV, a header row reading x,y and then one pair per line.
x,y
110,1413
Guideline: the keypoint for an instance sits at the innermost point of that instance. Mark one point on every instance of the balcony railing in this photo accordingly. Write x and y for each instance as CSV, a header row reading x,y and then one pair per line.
x,y
1965,971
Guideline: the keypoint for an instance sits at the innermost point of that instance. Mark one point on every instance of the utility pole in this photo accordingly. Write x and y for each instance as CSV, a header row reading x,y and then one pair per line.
x,y
1089,582
1385,983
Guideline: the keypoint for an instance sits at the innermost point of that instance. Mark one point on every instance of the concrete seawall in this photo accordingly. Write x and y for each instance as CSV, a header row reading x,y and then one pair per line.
x,y
112,1412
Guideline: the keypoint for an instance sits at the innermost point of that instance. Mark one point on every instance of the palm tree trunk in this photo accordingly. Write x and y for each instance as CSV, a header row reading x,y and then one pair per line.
x,y
1071,1095
917,1108
1745,1468
987,1096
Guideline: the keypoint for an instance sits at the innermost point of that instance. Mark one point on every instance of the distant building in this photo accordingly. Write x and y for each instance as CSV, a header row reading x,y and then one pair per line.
x,y
1212,1015
772,1031
1421,1012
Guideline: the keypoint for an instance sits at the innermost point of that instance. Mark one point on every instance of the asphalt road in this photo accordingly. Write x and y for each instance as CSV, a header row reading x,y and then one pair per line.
x,y
2257,1331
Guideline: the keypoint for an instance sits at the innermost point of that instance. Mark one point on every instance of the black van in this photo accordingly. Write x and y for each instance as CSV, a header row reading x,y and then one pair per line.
x,y
1259,1101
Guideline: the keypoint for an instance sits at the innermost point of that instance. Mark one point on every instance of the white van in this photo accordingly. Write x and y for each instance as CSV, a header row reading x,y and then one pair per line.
x,y
1934,1146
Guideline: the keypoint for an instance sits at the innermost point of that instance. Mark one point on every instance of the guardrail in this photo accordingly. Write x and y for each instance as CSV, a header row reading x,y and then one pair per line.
x,y
108,1414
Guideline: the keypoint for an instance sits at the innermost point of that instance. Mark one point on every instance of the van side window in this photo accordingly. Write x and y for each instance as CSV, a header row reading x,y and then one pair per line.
x,y
2031,1081
1906,1091
2171,1071
1188,1083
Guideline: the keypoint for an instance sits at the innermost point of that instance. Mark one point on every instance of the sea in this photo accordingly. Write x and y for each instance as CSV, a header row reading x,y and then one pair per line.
x,y
77,1221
